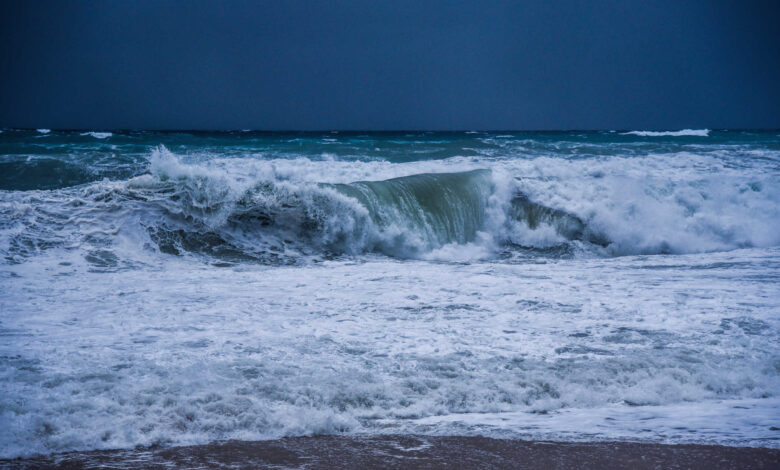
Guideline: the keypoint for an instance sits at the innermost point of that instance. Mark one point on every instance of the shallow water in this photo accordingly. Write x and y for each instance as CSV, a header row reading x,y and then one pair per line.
x,y
411,452
175,288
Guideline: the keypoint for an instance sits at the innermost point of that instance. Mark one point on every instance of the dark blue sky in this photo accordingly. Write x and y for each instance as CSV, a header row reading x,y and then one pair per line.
x,y
390,64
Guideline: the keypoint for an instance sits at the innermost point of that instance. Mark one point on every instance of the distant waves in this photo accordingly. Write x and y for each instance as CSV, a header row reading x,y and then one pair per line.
x,y
682,133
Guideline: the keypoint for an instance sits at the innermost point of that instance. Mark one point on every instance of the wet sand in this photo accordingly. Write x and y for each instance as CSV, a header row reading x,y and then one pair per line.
x,y
410,452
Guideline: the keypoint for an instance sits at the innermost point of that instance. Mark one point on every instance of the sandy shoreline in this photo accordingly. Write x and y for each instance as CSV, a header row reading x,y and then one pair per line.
x,y
404,451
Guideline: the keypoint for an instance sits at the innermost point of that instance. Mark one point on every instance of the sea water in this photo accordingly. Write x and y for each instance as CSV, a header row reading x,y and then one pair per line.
x,y
183,288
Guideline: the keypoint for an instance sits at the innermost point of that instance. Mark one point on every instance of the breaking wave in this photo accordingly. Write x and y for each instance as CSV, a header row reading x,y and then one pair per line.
x,y
121,328
269,214
273,217
98,135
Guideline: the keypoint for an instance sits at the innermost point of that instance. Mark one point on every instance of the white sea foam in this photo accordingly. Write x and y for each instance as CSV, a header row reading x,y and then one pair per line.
x,y
44,131
752,422
252,352
682,133
110,340
98,135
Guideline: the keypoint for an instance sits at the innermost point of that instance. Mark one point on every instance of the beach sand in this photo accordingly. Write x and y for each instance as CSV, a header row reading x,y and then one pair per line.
x,y
409,452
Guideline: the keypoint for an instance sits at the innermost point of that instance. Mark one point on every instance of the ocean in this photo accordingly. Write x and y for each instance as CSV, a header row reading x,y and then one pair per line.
x,y
182,288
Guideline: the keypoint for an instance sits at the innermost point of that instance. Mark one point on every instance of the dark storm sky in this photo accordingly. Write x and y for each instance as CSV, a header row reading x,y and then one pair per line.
x,y
390,64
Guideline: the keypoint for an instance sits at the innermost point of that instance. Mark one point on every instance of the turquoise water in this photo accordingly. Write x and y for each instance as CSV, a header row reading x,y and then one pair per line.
x,y
34,160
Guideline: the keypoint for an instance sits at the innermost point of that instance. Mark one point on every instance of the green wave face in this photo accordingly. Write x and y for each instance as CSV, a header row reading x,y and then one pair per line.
x,y
438,208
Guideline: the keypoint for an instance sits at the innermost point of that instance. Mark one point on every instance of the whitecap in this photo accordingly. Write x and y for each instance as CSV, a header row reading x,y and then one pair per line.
x,y
98,135
681,133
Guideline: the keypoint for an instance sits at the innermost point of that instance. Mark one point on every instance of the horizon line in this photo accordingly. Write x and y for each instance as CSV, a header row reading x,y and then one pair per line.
x,y
281,130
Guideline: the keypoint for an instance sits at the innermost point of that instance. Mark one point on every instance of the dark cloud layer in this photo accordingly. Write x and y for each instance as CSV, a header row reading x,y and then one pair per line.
x,y
390,64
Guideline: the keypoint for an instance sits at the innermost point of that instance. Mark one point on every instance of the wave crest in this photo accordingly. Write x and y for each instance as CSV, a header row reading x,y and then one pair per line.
x,y
681,133
282,212
407,217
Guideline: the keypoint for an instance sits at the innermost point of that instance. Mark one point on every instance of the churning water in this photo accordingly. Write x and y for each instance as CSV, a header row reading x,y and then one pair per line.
x,y
180,288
